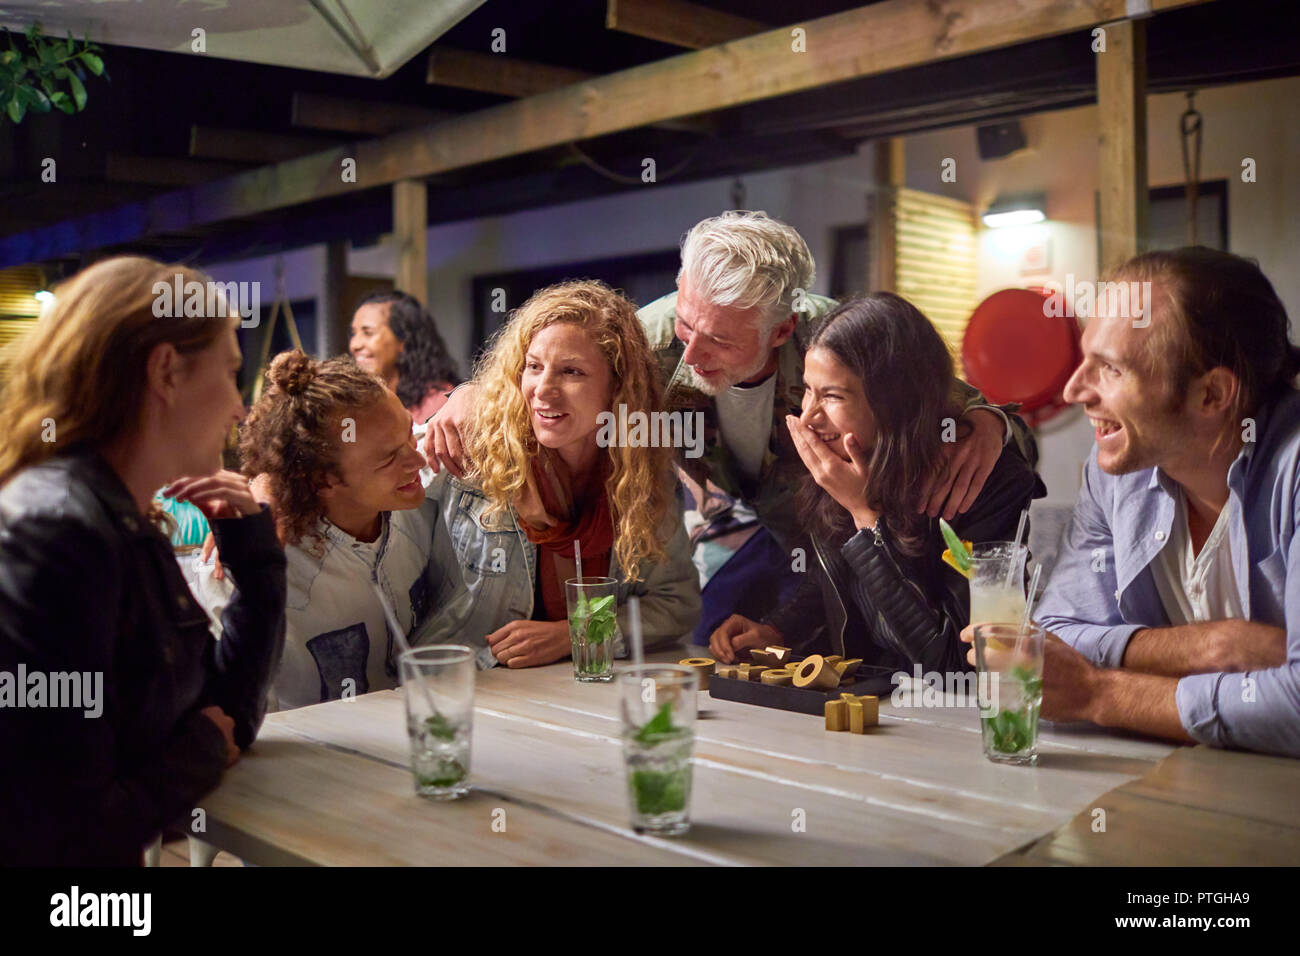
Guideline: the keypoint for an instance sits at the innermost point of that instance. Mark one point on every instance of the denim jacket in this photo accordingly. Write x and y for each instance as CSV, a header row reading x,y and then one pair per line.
x,y
338,642
494,567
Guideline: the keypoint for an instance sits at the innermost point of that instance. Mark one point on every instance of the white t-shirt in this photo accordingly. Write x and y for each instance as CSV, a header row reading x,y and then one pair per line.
x,y
1204,587
745,422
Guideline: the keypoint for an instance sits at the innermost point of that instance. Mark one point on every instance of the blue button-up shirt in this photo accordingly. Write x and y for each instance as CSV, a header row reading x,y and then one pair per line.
x,y
1104,587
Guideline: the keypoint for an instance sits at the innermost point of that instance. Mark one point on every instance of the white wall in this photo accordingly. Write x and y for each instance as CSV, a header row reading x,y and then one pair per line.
x,y
1258,120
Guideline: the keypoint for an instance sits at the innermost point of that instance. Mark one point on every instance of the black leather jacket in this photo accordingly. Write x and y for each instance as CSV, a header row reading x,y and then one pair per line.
x,y
88,586
865,599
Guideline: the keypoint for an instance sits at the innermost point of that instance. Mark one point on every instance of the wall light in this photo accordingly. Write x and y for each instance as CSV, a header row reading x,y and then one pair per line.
x,y
1016,210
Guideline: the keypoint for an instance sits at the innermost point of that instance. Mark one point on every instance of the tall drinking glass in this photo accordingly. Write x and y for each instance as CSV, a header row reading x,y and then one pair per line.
x,y
593,626
438,684
1009,665
658,703
992,599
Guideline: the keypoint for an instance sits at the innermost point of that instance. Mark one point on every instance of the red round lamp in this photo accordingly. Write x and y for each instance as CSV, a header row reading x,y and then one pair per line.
x,y
1015,351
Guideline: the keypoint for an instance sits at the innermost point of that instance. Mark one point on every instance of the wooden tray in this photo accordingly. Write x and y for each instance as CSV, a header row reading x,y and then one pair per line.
x,y
876,681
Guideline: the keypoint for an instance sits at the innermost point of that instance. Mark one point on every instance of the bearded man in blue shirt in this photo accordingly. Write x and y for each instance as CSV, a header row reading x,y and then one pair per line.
x,y
1175,607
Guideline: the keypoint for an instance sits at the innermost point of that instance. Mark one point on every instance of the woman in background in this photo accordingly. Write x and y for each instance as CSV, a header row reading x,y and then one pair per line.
x,y
396,338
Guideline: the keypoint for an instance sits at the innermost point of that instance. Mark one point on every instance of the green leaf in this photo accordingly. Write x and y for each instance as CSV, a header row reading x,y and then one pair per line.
x,y
16,110
959,552
658,725
9,56
93,63
440,727
78,92
63,102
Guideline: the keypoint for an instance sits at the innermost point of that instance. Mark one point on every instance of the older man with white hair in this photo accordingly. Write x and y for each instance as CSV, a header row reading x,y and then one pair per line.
x,y
730,343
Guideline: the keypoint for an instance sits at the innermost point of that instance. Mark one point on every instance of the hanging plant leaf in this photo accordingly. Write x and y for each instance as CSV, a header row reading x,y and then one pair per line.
x,y
93,63
78,92
15,109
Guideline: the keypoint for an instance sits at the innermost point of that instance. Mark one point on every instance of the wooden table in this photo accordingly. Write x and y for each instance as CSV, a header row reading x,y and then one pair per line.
x,y
331,785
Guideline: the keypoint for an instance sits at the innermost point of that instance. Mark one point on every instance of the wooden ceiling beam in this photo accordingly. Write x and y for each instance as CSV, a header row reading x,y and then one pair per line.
x,y
497,73
882,37
679,23
249,145
164,170
367,117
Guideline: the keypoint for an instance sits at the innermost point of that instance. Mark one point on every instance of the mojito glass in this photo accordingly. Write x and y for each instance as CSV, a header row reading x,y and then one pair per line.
x,y
438,685
992,600
1009,661
593,626
658,703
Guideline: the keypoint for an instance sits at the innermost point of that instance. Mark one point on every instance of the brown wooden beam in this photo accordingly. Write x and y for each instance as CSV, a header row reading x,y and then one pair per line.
x,y
410,234
164,170
678,22
498,73
369,117
886,36
1122,157
249,145
882,215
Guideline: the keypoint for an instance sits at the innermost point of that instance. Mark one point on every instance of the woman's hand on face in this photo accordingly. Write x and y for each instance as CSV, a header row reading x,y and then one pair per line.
x,y
738,633
530,643
845,481
223,495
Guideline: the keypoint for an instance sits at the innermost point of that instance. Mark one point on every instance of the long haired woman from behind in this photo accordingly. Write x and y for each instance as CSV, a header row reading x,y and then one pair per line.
x,y
139,710
878,406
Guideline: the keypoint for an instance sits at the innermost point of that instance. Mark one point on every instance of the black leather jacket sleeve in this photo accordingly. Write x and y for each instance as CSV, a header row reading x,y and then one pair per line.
x,y
60,593
918,607
801,620
244,661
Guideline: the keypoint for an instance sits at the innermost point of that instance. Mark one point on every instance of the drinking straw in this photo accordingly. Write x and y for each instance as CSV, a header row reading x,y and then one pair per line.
x,y
634,622
1029,610
1020,533
401,642
577,557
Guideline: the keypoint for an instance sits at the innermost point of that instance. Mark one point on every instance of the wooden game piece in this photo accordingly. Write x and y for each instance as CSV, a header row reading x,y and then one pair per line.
x,y
703,667
780,676
837,715
847,668
815,672
727,671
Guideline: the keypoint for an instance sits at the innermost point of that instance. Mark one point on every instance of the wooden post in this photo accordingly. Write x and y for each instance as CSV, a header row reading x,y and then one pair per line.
x,y
410,224
882,269
332,324
1122,112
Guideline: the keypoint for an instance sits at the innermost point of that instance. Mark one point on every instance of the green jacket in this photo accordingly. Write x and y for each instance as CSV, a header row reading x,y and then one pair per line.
x,y
717,479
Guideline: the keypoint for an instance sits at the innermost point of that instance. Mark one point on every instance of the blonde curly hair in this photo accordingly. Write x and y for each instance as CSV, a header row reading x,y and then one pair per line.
x,y
500,443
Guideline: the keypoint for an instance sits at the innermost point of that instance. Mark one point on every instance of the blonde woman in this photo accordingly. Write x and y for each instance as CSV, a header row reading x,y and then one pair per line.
x,y
542,475
109,403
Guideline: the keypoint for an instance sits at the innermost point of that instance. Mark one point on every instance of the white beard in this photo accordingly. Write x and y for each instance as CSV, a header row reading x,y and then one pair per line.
x,y
712,389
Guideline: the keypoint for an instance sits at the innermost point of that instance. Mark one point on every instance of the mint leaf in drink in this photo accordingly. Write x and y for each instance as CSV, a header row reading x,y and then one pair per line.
x,y
659,792
448,773
658,725
602,619
439,727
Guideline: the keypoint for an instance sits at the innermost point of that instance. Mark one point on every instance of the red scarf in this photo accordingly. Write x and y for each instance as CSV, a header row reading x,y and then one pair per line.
x,y
550,518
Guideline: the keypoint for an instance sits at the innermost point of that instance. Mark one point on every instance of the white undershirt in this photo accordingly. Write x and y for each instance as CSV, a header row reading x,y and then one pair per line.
x,y
745,422
1200,588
